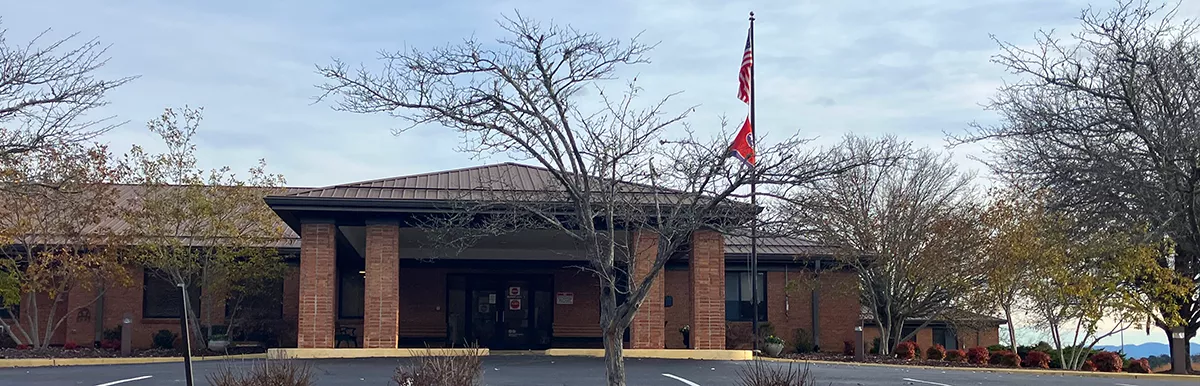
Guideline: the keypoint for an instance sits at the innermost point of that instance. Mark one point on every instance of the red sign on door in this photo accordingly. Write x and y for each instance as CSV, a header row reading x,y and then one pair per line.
x,y
514,304
514,291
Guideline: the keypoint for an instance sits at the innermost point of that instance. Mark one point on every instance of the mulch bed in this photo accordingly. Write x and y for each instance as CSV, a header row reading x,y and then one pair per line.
x,y
59,352
832,357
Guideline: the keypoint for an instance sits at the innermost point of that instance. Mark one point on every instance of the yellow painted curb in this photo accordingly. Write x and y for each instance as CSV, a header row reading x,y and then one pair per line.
x,y
47,362
723,355
1096,374
343,353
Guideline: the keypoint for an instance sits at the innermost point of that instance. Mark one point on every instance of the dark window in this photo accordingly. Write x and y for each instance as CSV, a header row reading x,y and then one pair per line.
x,y
739,299
9,312
946,337
904,333
262,300
351,290
162,299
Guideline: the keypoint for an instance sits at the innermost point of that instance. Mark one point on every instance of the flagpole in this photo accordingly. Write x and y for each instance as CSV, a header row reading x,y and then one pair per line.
x,y
753,200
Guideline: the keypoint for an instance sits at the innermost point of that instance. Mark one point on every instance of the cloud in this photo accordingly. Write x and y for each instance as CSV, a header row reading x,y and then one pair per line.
x,y
914,68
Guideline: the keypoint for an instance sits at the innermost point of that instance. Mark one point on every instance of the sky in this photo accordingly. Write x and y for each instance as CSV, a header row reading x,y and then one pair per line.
x,y
916,69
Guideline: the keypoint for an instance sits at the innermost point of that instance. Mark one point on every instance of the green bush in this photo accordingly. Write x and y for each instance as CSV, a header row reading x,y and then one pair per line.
x,y
164,339
997,348
874,346
772,339
802,342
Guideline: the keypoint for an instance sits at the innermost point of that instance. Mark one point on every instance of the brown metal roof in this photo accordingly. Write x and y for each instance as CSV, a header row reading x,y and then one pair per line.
x,y
775,246
509,180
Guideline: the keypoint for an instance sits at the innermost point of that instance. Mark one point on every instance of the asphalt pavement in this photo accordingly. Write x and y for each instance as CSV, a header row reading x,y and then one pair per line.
x,y
541,370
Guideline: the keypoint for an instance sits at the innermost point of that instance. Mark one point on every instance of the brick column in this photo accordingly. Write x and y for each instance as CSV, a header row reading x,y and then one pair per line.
x,y
706,269
381,319
649,321
318,267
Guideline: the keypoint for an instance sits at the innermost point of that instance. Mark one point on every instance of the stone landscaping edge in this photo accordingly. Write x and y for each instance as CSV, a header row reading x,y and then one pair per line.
x,y
1044,372
49,362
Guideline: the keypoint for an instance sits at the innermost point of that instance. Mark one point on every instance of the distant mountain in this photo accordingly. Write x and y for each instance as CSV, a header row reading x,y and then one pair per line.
x,y
1146,349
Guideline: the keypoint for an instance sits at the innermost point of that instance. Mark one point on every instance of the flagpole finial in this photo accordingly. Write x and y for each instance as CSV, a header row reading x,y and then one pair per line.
x,y
751,15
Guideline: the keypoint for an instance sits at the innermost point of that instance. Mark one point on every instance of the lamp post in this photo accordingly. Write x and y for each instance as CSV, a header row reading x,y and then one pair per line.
x,y
860,352
126,334
187,336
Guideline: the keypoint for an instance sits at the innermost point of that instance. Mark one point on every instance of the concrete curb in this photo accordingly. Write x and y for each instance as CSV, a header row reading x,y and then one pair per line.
x,y
347,353
51,362
718,355
1093,374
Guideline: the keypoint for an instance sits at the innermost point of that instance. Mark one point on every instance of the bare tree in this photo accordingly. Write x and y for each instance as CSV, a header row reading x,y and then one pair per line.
x,y
1107,121
909,228
45,92
614,169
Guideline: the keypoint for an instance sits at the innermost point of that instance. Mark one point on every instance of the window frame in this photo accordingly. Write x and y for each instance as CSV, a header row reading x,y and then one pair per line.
x,y
764,305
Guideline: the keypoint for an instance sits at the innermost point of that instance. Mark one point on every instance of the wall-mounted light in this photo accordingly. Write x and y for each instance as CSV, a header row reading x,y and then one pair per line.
x,y
362,272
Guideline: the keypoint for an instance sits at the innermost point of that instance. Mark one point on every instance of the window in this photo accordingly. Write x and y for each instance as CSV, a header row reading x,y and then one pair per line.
x,y
162,298
7,312
738,298
262,301
946,337
910,332
351,290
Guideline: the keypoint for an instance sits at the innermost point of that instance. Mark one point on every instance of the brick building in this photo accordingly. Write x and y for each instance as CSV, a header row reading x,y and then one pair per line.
x,y
363,275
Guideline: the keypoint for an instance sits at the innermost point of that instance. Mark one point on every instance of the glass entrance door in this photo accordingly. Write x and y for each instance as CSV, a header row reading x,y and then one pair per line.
x,y
509,313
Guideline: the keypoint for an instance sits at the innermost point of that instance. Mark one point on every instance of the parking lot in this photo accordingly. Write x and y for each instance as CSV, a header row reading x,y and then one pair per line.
x,y
541,370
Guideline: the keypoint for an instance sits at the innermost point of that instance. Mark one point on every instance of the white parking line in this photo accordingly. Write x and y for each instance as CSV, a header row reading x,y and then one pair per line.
x,y
678,378
1124,384
126,380
925,382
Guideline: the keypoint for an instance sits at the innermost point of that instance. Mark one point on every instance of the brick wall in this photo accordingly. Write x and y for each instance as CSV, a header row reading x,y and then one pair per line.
x,y
706,268
838,309
582,318
317,285
648,322
423,302
679,288
381,307
788,311
291,304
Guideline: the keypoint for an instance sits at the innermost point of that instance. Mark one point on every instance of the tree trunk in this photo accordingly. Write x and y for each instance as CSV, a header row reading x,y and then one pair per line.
x,y
614,361
1189,333
1012,331
884,339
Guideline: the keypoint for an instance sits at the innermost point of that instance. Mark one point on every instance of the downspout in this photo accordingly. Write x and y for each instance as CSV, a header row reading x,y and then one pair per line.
x,y
99,319
816,309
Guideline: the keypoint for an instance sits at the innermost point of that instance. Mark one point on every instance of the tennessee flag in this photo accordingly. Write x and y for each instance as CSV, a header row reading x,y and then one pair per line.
x,y
743,144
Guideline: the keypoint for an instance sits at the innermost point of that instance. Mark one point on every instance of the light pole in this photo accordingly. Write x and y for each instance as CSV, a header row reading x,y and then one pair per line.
x,y
187,336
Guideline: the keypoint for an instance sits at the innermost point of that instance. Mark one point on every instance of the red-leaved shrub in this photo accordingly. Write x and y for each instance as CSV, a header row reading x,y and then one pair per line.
x,y
977,356
1037,360
1007,358
23,347
848,348
1108,362
956,356
1138,366
906,350
936,353
70,346
110,344
1088,366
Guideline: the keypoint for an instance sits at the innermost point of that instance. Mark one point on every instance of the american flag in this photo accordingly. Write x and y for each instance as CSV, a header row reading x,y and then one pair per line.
x,y
745,73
